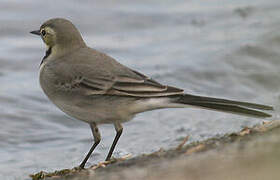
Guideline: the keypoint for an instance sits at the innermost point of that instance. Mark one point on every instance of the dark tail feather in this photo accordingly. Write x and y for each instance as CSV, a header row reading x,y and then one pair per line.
x,y
236,107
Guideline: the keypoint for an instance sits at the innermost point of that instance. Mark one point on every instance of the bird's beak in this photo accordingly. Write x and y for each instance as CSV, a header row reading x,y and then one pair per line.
x,y
37,32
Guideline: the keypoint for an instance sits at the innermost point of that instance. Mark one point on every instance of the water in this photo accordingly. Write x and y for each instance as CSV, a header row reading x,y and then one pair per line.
x,y
217,48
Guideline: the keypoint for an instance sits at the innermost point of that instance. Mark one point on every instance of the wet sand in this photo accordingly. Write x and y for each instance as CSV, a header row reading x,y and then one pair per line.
x,y
250,154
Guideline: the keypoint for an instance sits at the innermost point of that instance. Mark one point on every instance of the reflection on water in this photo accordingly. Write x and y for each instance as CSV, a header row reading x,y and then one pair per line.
x,y
217,49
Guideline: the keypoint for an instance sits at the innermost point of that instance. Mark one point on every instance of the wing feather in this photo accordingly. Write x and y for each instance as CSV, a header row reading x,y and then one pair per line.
x,y
127,86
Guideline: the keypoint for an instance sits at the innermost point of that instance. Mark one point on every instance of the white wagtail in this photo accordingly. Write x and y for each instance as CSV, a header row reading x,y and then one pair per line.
x,y
93,87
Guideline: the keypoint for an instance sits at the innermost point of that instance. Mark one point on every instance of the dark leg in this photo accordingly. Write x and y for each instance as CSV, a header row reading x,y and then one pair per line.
x,y
119,130
97,138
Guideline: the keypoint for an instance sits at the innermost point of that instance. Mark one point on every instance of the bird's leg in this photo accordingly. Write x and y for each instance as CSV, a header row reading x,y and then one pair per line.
x,y
119,130
97,138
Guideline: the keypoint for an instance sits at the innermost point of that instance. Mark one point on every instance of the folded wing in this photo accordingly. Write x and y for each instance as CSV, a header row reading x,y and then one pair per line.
x,y
139,86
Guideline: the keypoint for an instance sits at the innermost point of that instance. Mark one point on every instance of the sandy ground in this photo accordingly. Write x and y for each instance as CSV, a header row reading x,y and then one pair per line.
x,y
251,154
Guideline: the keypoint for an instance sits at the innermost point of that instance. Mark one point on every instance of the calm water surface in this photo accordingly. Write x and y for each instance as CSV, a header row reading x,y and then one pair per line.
x,y
217,48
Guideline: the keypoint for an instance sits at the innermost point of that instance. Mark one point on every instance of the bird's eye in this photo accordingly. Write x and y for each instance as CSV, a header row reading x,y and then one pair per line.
x,y
43,32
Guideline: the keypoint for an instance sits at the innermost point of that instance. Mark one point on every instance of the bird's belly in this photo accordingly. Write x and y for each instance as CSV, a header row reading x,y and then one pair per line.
x,y
89,109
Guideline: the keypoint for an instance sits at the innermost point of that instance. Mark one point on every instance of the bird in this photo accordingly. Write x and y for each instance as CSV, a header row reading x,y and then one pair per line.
x,y
93,87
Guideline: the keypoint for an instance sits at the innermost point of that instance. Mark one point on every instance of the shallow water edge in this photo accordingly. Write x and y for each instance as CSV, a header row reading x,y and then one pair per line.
x,y
248,154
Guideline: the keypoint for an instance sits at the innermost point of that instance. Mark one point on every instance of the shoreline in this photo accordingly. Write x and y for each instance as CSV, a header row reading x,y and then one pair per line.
x,y
253,152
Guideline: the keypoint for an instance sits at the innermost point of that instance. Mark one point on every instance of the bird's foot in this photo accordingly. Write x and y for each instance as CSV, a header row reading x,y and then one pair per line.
x,y
111,161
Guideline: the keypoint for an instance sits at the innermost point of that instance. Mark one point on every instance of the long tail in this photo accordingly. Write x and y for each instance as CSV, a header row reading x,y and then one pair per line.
x,y
236,107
